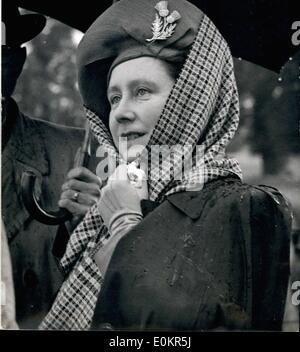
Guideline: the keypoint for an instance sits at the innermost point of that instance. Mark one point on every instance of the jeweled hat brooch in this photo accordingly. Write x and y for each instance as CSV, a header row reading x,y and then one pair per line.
x,y
164,24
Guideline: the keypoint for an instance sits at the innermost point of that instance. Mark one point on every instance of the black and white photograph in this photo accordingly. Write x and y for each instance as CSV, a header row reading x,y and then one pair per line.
x,y
150,168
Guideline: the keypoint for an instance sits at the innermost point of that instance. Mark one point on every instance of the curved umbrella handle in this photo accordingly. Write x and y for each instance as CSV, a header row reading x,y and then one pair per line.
x,y
33,207
27,189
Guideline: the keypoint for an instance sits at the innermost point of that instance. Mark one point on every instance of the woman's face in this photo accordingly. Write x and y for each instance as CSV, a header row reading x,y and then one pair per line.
x,y
137,92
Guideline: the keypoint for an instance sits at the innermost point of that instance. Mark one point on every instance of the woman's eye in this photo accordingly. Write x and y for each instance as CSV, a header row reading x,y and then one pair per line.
x,y
141,92
115,99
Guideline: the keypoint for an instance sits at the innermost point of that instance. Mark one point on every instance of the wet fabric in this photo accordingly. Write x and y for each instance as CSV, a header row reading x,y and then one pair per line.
x,y
215,259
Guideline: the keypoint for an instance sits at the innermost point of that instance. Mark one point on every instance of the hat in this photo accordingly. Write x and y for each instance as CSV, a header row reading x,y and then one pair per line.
x,y
19,28
127,30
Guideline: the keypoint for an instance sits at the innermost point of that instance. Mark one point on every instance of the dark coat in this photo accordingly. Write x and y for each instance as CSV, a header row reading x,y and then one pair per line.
x,y
49,151
212,259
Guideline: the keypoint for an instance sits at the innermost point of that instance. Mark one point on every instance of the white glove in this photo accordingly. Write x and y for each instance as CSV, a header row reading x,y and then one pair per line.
x,y
120,208
120,197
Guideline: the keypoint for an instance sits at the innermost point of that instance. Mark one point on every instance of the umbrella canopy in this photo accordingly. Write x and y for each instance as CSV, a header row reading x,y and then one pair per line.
x,y
259,31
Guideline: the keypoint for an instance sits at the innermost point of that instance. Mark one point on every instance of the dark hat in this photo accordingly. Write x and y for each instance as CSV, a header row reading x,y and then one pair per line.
x,y
17,28
127,30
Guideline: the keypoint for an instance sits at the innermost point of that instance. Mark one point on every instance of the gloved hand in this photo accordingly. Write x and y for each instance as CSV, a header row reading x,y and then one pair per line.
x,y
120,198
120,208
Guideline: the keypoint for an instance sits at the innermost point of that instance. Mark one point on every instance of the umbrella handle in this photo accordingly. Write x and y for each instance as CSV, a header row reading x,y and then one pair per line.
x,y
33,207
30,201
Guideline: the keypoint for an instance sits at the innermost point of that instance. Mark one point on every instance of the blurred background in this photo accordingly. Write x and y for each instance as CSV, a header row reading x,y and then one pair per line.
x,y
266,145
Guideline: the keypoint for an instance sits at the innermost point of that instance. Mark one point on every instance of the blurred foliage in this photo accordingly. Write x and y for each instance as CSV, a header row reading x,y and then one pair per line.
x,y
47,88
270,109
274,119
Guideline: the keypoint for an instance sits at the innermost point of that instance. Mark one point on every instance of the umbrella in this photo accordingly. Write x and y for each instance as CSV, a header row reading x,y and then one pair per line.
x,y
259,31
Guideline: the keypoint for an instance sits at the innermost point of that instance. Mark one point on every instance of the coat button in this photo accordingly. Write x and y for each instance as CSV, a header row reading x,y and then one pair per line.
x,y
30,279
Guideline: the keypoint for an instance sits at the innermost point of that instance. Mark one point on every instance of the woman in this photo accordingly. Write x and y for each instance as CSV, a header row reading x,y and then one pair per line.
x,y
190,250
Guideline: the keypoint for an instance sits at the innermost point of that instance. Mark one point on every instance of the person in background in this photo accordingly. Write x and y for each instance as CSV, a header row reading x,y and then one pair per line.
x,y
49,151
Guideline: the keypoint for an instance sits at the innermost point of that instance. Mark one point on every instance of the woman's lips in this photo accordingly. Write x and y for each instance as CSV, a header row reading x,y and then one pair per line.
x,y
132,135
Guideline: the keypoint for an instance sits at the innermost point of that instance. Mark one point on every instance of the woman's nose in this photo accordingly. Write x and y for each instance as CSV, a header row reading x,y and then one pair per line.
x,y
124,112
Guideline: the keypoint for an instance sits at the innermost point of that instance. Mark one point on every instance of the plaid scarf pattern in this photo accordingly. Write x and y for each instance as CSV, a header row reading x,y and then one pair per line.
x,y
202,109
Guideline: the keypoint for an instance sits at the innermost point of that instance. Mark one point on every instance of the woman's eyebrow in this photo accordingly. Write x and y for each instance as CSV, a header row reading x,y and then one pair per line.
x,y
132,83
112,89
147,81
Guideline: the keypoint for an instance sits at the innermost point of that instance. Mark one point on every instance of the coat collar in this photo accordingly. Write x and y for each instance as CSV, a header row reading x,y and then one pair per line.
x,y
192,203
26,144
188,202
